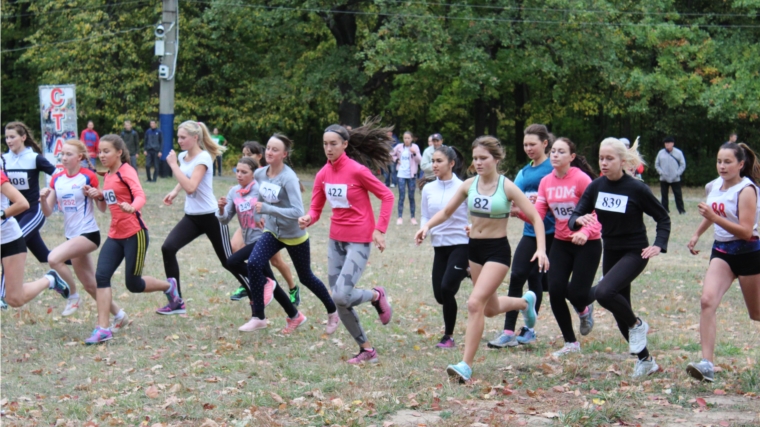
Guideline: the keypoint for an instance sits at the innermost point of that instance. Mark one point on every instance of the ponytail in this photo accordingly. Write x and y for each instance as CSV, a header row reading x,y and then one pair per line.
x,y
579,161
200,131
629,156
368,144
23,130
743,153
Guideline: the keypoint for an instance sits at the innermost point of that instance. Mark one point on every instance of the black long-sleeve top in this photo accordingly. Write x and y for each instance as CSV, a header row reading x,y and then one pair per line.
x,y
620,207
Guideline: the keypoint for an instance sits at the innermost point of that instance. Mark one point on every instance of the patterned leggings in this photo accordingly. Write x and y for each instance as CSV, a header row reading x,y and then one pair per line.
x,y
345,265
265,248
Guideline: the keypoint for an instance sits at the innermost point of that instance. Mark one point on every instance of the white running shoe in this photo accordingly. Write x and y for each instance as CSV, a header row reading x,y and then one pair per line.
x,y
72,305
570,347
645,367
637,337
119,322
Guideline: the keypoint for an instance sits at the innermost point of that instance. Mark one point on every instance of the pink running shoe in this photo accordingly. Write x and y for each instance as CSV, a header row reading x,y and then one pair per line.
x,y
364,356
254,324
332,323
292,324
269,291
382,306
446,342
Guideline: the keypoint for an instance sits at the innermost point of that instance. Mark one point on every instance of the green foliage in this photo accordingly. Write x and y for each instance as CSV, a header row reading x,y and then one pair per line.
x,y
587,69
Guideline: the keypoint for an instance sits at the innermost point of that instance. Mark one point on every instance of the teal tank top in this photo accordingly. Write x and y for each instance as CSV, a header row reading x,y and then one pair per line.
x,y
493,206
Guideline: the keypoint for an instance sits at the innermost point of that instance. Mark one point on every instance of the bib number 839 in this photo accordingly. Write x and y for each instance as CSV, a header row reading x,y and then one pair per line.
x,y
611,202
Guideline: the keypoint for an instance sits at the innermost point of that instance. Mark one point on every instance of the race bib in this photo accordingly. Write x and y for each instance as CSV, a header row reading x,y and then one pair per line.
x,y
69,203
481,204
337,195
611,202
109,196
563,210
270,192
532,196
244,205
19,179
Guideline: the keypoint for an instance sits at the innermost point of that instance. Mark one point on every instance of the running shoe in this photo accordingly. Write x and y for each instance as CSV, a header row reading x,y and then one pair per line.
x,y
364,356
446,342
175,307
98,336
637,337
703,371
239,294
333,320
461,371
59,285
72,305
503,340
587,320
3,304
172,294
119,322
526,336
569,347
399,221
413,221
254,324
269,291
295,296
382,306
645,368
293,323
529,314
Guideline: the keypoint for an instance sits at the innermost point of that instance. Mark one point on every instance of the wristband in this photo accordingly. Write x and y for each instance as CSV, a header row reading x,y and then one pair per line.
x,y
2,215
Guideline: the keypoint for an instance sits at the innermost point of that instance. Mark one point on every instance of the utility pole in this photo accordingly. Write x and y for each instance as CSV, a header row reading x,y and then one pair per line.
x,y
167,33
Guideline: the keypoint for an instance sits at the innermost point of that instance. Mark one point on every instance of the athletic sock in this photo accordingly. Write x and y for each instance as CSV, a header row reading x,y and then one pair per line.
x,y
51,279
508,332
74,296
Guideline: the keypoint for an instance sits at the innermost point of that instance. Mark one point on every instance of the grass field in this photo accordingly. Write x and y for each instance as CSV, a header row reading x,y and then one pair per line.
x,y
198,370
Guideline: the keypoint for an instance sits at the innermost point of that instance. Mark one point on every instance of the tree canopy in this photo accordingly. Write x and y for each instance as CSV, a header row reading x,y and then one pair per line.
x,y
588,69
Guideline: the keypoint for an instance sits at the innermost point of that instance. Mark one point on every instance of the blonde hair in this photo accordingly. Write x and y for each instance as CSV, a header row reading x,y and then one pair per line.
x,y
630,156
79,145
200,131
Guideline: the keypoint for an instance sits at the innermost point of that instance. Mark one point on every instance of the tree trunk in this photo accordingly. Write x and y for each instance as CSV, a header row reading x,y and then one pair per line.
x,y
520,94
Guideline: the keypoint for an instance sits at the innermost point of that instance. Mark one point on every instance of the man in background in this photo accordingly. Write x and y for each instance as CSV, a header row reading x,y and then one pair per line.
x,y
152,150
670,164
434,141
132,141
91,140
222,142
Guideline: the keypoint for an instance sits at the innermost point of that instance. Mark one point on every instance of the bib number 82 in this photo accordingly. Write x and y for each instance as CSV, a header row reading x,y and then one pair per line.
x,y
481,204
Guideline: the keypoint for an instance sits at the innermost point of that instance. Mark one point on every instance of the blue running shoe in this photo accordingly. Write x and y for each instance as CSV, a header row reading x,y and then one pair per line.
x,y
529,314
3,304
98,336
461,371
503,340
526,336
59,285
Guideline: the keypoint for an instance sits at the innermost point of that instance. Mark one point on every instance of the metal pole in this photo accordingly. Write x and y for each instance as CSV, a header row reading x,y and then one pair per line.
x,y
170,18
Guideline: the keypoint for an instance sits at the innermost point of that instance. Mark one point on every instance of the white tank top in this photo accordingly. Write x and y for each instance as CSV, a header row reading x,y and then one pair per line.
x,y
726,204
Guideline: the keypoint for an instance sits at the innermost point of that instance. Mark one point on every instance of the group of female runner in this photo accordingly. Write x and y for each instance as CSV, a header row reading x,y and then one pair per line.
x,y
568,215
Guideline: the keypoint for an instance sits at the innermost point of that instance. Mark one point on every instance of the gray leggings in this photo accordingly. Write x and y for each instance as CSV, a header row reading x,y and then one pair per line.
x,y
345,265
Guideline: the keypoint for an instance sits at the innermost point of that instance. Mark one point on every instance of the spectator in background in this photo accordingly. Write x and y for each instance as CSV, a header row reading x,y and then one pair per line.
x,y
390,172
732,137
152,150
91,140
670,164
132,142
222,142
434,141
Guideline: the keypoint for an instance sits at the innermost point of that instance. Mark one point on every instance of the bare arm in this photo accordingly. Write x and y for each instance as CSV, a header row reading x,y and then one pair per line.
x,y
19,202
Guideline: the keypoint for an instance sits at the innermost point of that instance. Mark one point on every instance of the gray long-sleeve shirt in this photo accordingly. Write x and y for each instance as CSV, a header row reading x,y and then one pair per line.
x,y
283,205
244,206
670,165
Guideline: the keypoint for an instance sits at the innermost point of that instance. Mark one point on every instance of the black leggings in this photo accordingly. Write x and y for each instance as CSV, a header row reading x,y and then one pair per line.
x,y
265,248
524,270
31,221
582,261
187,230
449,269
620,268
132,249
237,264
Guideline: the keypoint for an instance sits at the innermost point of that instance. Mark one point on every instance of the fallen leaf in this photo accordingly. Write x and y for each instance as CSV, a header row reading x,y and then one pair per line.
x,y
337,402
152,392
701,402
175,388
212,380
719,392
276,397
550,415
209,423
598,401
208,406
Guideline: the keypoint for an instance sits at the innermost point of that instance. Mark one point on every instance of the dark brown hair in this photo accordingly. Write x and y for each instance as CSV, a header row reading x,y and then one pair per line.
x,y
23,130
368,144
118,145
743,153
255,148
541,132
251,163
579,161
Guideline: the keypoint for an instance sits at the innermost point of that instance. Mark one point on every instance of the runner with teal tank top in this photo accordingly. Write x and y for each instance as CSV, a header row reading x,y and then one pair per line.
x,y
536,144
488,199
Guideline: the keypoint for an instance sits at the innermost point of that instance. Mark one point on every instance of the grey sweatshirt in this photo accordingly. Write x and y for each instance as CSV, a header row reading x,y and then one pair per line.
x,y
282,202
671,165
248,216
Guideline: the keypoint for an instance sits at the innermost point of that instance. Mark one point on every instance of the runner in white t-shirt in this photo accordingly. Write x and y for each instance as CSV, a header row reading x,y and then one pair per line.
x,y
79,226
195,173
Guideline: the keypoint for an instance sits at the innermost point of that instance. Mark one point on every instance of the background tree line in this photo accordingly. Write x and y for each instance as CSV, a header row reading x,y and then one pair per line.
x,y
588,69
